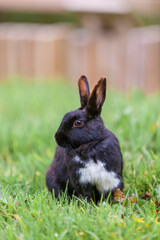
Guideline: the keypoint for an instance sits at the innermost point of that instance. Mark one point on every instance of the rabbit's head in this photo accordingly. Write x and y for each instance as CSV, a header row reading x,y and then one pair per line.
x,y
84,125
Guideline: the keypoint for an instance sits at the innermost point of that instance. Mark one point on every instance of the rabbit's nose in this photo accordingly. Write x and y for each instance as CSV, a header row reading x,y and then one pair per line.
x,y
61,138
56,137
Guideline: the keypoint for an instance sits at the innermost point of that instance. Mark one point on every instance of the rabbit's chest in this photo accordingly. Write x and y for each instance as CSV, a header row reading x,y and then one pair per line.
x,y
95,173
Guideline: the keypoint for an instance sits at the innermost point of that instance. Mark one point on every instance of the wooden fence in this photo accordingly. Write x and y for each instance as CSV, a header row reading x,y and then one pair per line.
x,y
128,58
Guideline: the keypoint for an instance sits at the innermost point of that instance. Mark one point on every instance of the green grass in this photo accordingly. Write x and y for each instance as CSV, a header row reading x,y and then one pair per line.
x,y
29,116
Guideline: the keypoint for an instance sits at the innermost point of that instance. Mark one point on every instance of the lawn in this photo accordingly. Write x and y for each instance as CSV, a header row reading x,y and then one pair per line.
x,y
29,116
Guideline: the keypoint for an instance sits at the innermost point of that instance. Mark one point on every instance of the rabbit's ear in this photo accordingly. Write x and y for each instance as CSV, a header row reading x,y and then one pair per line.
x,y
83,90
97,98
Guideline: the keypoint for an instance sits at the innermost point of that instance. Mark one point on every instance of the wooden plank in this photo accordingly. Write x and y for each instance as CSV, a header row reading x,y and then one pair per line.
x,y
79,55
50,51
152,76
3,51
19,40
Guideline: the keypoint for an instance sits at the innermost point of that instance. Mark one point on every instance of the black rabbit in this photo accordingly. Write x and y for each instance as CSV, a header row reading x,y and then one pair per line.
x,y
88,158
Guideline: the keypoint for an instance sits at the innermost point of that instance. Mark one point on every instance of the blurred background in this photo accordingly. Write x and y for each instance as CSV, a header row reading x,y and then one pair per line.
x,y
49,39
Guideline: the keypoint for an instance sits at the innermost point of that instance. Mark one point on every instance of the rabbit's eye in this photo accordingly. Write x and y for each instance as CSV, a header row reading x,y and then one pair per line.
x,y
78,123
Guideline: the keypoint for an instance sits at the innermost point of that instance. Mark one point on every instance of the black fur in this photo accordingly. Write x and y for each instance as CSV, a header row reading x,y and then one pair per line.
x,y
90,141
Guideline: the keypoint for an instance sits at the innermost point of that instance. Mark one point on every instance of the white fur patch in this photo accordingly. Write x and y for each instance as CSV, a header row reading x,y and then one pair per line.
x,y
96,174
77,159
